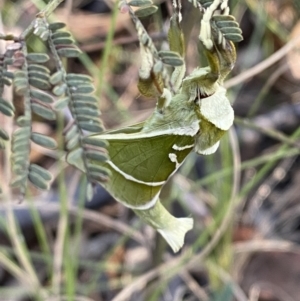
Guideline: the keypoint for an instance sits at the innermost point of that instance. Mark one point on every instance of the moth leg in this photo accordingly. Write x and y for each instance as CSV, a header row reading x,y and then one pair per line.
x,y
150,83
203,81
225,31
227,59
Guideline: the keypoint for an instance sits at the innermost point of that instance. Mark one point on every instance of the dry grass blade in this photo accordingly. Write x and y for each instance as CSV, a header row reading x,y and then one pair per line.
x,y
199,292
226,278
265,246
264,64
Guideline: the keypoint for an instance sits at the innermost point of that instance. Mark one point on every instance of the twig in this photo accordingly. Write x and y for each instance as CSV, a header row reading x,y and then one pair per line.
x,y
265,246
199,292
264,64
48,10
121,41
269,132
96,217
226,278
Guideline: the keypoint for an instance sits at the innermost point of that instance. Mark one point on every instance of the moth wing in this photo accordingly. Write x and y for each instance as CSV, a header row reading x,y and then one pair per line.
x,y
132,129
141,163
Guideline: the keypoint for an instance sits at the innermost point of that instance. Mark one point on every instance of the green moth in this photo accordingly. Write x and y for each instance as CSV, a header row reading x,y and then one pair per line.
x,y
192,114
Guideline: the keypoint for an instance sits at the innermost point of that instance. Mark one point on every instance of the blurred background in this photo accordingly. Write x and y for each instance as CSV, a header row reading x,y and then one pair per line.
x,y
244,199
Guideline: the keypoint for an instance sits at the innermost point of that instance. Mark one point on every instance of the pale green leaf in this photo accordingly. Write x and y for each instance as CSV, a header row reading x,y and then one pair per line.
x,y
73,142
234,37
91,127
43,140
78,77
45,174
96,155
56,26
38,181
83,89
71,132
43,111
41,95
37,57
39,75
61,34
24,121
146,11
75,158
69,52
38,68
7,108
59,89
18,181
92,140
140,3
173,61
63,41
61,103
39,83
4,134
56,77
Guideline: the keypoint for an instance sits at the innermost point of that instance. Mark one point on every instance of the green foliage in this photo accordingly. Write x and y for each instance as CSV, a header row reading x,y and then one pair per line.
x,y
46,93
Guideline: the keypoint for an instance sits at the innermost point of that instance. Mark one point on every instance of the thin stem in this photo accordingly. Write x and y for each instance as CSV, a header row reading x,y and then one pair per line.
x,y
48,10
269,132
264,64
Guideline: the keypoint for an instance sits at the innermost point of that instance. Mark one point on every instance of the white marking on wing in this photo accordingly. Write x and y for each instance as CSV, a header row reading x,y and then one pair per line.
x,y
131,178
173,158
181,131
208,151
180,148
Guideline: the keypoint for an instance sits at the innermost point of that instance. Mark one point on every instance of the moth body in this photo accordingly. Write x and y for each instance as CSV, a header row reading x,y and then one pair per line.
x,y
192,113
